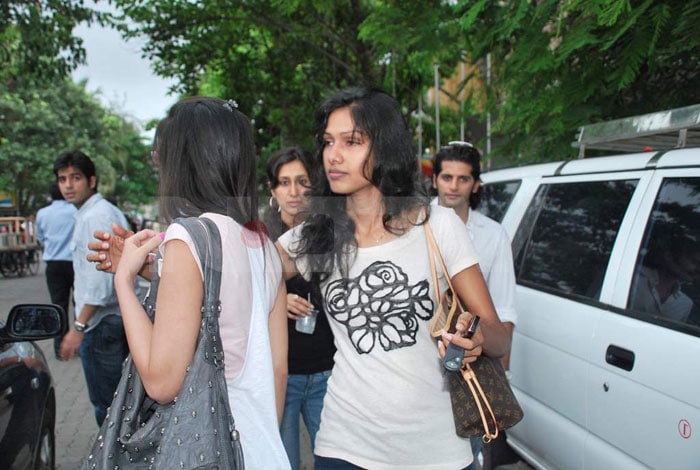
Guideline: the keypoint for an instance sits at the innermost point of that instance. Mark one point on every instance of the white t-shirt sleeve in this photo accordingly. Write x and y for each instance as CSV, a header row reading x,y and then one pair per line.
x,y
452,239
178,232
501,281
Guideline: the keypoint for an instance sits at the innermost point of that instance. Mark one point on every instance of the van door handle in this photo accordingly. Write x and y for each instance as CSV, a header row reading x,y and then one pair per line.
x,y
619,357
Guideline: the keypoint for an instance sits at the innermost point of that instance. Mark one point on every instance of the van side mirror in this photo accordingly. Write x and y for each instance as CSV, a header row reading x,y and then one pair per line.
x,y
32,322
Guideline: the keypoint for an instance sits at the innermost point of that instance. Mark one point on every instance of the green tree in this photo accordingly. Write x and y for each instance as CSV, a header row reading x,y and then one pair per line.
x,y
38,123
43,113
556,64
561,64
36,37
277,59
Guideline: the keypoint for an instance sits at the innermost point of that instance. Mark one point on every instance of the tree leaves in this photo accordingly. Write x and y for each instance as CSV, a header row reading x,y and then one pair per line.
x,y
40,122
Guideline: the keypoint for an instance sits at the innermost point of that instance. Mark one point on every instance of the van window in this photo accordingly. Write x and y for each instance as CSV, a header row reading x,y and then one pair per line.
x,y
666,283
564,241
496,198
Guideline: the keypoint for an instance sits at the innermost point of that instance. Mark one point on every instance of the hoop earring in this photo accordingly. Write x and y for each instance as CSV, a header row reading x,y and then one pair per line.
x,y
273,204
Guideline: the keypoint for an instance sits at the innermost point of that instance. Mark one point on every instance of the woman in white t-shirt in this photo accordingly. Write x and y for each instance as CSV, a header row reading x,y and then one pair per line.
x,y
206,158
387,405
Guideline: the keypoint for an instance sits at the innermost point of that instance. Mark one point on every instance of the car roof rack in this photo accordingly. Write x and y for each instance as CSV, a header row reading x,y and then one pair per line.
x,y
662,130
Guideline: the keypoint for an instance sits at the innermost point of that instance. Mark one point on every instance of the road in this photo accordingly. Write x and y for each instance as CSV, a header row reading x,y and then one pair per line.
x,y
75,421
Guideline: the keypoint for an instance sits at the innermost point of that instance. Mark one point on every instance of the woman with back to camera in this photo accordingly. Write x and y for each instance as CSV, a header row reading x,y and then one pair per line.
x,y
206,156
310,356
387,404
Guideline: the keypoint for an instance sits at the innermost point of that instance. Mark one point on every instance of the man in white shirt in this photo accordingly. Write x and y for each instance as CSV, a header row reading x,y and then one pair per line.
x,y
456,173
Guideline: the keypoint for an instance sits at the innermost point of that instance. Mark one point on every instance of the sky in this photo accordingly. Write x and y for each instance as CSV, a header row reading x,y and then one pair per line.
x,y
122,79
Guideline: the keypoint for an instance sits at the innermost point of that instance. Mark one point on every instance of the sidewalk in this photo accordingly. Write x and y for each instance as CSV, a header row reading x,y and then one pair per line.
x,y
76,427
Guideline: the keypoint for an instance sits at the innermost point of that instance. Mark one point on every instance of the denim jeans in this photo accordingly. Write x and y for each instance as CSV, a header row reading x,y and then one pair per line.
x,y
102,353
477,444
328,463
304,397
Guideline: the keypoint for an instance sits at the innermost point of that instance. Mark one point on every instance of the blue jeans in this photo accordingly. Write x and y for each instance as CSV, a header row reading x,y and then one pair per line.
x,y
102,352
304,397
328,463
477,443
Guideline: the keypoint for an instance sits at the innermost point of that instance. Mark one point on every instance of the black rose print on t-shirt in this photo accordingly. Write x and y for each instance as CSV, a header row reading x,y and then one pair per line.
x,y
379,305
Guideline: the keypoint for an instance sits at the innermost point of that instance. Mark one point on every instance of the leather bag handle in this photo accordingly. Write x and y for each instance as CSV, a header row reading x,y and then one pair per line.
x,y
467,373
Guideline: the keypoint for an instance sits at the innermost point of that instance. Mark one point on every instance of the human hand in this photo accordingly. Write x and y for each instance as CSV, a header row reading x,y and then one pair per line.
x,y
70,346
107,249
137,250
297,307
472,346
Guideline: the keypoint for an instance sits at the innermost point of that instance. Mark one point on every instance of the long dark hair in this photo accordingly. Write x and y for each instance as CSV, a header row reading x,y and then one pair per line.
x,y
207,161
328,236
272,218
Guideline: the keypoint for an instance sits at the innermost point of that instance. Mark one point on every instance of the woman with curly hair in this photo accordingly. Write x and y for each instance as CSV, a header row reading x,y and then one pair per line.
x,y
363,245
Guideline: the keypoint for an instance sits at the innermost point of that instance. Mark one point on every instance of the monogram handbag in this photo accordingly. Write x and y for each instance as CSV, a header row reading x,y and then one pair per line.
x,y
196,430
482,400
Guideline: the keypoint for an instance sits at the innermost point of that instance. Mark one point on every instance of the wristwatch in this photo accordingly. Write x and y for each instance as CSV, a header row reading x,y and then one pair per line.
x,y
79,326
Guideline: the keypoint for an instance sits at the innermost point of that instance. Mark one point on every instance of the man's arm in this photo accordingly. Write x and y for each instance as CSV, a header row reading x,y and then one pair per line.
x,y
106,251
70,346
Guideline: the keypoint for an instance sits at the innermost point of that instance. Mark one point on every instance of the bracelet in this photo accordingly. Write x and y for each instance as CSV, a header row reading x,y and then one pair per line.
x,y
79,327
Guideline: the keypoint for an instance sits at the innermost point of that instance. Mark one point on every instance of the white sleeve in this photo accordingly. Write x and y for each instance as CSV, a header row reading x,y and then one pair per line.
x,y
452,239
501,280
178,232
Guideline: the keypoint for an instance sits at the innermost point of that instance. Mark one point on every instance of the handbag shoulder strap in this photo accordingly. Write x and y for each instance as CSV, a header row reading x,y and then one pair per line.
x,y
434,252
207,242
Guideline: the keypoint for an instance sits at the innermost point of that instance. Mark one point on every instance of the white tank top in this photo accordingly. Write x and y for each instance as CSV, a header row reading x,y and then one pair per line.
x,y
252,393
247,297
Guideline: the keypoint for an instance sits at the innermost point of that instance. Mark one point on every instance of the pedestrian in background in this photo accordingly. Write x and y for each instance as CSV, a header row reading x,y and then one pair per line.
x,y
98,332
54,229
456,177
387,404
310,356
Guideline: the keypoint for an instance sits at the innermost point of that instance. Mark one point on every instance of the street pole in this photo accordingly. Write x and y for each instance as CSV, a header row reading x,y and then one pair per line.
x,y
462,74
488,113
436,70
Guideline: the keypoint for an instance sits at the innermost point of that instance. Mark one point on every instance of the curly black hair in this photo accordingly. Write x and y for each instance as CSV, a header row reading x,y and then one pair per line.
x,y
328,236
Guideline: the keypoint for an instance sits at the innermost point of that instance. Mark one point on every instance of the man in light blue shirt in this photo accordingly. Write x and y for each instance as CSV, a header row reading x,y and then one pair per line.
x,y
98,333
54,229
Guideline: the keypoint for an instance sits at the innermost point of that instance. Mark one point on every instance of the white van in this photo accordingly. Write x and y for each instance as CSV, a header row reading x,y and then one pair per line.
x,y
606,353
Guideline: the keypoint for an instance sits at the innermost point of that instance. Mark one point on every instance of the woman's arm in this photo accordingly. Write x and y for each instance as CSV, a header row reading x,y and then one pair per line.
x,y
278,341
491,336
161,351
